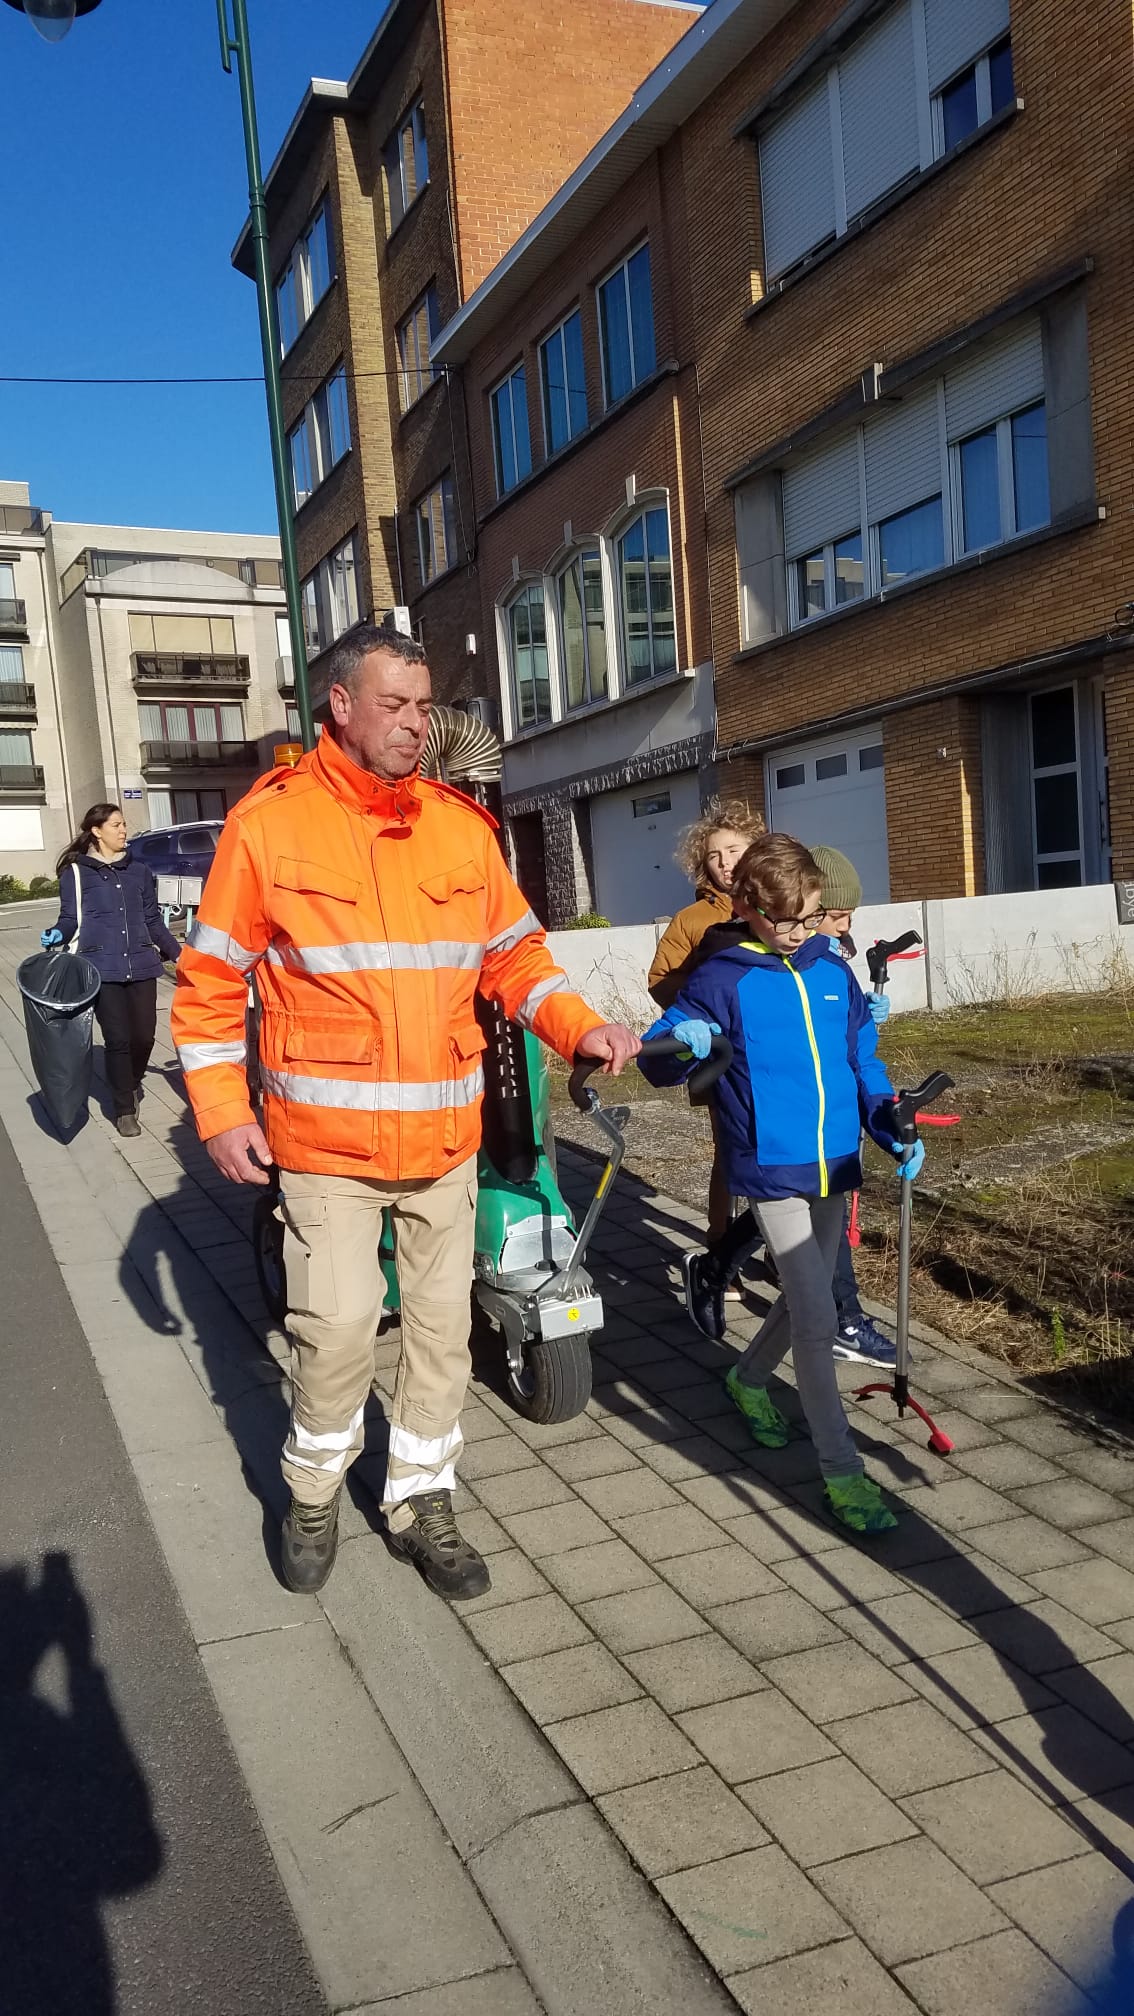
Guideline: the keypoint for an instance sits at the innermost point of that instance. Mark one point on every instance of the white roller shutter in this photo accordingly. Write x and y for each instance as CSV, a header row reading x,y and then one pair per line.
x,y
903,456
999,378
878,102
821,497
797,180
958,31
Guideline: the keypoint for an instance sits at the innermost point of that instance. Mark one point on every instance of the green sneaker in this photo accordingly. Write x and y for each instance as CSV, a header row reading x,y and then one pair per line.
x,y
764,1419
857,1502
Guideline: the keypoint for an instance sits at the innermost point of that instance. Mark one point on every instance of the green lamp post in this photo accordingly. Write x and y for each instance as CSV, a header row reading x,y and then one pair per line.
x,y
53,19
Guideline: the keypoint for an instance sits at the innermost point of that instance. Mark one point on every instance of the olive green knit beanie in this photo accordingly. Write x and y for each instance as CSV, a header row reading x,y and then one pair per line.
x,y
842,889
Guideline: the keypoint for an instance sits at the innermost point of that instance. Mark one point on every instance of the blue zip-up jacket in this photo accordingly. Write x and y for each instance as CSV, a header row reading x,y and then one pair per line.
x,y
805,1075
121,930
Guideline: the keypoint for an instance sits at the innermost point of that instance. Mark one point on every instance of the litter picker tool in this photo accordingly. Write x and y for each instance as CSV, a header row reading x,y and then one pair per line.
x,y
878,957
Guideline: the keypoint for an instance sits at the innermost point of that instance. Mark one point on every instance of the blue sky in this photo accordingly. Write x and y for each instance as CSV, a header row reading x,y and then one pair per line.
x,y
123,166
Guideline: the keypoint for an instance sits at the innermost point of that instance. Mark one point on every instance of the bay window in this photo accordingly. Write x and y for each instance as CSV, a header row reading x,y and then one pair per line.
x,y
582,627
529,665
645,580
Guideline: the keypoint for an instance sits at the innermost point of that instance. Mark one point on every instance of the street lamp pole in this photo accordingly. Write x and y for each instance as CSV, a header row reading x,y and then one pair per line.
x,y
235,42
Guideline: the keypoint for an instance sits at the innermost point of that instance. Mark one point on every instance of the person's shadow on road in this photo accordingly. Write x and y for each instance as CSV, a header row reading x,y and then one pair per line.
x,y
76,1821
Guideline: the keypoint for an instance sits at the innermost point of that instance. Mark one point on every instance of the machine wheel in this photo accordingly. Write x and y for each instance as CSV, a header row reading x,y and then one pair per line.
x,y
267,1247
555,1383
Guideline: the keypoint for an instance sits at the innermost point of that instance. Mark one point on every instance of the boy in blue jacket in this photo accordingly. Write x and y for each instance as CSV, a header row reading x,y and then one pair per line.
x,y
805,1076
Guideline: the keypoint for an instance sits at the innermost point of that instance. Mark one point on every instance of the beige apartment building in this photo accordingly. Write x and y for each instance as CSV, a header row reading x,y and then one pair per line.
x,y
143,666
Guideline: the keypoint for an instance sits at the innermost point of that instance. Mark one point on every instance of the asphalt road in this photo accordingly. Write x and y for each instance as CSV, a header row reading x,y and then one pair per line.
x,y
134,1878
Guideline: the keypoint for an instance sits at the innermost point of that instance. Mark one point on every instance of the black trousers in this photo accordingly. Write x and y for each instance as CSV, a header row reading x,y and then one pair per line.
x,y
127,1016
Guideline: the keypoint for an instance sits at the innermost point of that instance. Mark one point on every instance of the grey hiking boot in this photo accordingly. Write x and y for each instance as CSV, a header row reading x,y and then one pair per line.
x,y
450,1565
127,1125
310,1541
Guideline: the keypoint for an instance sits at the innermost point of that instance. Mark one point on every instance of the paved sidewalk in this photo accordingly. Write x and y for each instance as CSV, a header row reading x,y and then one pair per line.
x,y
865,1780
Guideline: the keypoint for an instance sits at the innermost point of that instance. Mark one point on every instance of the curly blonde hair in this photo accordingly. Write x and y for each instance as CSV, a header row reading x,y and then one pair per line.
x,y
719,815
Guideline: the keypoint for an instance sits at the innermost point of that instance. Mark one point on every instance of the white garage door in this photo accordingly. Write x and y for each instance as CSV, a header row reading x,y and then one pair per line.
x,y
833,793
634,834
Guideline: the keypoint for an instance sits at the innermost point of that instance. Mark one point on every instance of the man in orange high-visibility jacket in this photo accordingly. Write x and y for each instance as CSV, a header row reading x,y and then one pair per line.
x,y
373,905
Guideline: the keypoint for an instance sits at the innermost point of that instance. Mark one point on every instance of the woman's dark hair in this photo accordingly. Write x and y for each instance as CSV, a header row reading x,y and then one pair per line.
x,y
84,839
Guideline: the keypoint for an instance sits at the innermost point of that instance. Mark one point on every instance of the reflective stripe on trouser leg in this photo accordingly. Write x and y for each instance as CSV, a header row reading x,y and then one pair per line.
x,y
434,1224
803,1234
332,1226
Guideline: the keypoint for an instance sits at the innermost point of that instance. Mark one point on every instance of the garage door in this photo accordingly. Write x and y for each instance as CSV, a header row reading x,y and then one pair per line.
x,y
633,835
833,793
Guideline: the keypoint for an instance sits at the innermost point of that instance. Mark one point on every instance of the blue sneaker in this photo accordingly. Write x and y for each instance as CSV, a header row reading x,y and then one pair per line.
x,y
861,1342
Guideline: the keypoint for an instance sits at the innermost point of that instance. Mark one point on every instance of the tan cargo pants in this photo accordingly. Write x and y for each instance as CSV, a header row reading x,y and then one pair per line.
x,y
335,1291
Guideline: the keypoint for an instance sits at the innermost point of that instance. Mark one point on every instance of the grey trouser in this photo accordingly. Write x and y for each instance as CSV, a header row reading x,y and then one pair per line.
x,y
802,1235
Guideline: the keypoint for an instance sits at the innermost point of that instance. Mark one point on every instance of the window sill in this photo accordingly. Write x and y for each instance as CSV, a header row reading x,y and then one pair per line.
x,y
669,369
1074,521
891,201
404,219
424,394
313,496
638,691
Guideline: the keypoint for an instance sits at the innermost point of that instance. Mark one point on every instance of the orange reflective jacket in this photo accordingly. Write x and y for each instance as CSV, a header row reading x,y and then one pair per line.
x,y
372,914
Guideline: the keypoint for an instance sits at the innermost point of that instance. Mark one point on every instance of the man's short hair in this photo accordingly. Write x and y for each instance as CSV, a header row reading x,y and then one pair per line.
x,y
778,876
360,642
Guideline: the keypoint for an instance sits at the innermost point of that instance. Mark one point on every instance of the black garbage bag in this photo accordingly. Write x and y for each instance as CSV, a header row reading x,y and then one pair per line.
x,y
59,990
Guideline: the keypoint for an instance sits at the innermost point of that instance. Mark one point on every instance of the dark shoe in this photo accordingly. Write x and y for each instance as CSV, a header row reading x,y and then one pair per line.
x,y
449,1564
310,1542
704,1298
127,1125
860,1342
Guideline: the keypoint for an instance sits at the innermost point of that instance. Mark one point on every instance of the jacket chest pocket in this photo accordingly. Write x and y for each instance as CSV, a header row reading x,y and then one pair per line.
x,y
314,906
456,908
466,1083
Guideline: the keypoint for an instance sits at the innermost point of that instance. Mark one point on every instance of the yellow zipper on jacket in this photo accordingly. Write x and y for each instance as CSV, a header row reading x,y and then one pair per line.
x,y
824,1183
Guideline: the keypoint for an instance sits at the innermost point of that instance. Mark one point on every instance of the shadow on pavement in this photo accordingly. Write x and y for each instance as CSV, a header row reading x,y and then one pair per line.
x,y
76,1822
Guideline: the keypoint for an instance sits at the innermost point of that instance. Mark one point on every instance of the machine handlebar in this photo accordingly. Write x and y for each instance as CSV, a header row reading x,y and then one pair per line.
x,y
702,1079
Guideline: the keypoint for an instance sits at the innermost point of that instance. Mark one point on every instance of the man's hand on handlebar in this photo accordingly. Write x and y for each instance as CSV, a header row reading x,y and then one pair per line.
x,y
234,1150
613,1044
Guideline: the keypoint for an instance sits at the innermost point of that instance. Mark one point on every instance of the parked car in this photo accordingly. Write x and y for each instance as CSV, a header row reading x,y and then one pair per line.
x,y
179,850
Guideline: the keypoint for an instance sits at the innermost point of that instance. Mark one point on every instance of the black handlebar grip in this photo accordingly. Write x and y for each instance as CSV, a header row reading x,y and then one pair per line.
x,y
907,1105
878,956
701,1080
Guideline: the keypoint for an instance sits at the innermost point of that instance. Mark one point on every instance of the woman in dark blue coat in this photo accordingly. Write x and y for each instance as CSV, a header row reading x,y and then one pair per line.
x,y
108,909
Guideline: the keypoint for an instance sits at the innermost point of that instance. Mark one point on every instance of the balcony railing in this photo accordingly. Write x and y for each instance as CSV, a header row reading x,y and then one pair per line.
x,y
17,702
199,755
21,780
13,614
188,669
16,518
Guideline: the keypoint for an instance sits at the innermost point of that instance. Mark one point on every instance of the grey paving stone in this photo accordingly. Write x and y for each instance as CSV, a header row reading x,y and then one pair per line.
x,y
660,1536
842,1977
1115,1540
908,1748
1005,1466
720,1574
783,1535
693,1673
542,1436
496,1456
574,1682
959,1504
1003,1976
907,1900
556,1529
752,1908
995,1403
647,1425
899,1628
1071,1503
482,1531
941,1374
598,1456
1048,1435
523,1490
1122,1631
963,1431
1073,1918
763,1627
504,1992
969,1584
524,1630
703,1400
607,1569
1104,1691
731,1495
513,1579
839,1579
636,1490
621,1746
1059,1754
642,1617
210,1527
1098,1591
993,1827
797,1464
976,1686
697,1456
835,1681
1044,1638
827,1807
1108,1820
1026,1545
755,1735
680,1822
1112,1469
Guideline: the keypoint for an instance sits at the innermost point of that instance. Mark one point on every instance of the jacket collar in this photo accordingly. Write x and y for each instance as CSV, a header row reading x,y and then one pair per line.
x,y
360,789
747,950
722,903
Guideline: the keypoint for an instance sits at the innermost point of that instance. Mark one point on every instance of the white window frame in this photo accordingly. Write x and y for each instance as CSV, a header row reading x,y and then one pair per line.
x,y
21,678
1006,479
583,550
435,517
644,503
982,66
413,123
514,728
623,266
320,597
415,360
313,438
297,276
798,617
552,336
507,382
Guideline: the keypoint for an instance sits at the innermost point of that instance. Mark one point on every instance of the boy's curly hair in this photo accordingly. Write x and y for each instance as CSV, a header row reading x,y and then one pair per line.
x,y
777,875
719,814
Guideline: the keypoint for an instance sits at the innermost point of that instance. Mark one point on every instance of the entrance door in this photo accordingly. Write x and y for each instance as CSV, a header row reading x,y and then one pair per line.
x,y
1058,841
634,834
833,794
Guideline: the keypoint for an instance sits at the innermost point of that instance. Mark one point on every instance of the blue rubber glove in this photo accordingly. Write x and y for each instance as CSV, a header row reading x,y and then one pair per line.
x,y
696,1036
909,1159
879,1006
49,939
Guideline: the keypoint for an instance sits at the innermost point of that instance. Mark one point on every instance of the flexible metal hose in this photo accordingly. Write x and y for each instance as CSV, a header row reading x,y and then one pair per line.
x,y
457,747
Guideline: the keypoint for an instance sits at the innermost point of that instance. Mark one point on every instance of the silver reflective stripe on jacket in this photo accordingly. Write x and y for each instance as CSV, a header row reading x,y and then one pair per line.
x,y
541,992
382,957
524,927
198,1056
358,1095
218,945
